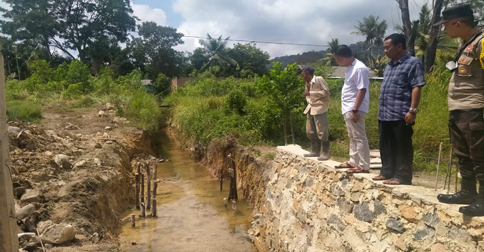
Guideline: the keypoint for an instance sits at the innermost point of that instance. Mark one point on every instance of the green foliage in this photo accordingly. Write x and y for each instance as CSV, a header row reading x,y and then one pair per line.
x,y
79,77
237,101
25,111
104,82
161,85
284,86
42,73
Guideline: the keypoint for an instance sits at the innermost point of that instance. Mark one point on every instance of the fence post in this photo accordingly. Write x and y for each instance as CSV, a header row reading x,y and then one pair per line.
x,y
8,223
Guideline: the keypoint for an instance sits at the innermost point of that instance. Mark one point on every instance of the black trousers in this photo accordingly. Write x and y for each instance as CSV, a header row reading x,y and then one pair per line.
x,y
396,150
466,128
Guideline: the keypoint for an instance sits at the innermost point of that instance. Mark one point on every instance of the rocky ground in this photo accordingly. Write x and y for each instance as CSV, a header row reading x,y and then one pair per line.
x,y
72,177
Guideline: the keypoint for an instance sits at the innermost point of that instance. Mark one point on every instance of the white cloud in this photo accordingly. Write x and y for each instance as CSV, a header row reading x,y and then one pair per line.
x,y
303,21
145,13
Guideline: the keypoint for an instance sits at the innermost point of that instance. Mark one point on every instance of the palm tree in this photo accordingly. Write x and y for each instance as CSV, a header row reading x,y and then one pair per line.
x,y
332,47
216,51
374,31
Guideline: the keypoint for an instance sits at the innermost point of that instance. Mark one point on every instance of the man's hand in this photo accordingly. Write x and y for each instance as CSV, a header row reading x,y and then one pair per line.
x,y
410,118
355,117
306,93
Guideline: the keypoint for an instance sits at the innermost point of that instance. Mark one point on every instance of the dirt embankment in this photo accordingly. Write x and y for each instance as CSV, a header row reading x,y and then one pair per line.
x,y
73,177
252,171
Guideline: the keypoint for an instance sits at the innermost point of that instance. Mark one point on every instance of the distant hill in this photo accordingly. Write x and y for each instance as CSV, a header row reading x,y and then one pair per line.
x,y
304,58
312,56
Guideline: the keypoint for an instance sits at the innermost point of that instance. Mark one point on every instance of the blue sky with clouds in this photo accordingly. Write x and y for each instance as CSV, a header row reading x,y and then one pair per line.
x,y
303,21
290,21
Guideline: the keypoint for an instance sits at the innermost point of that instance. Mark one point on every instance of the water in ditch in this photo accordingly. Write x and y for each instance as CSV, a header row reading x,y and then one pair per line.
x,y
191,212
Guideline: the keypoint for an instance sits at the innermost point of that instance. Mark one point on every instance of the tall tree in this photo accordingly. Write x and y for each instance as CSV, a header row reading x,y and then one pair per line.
x,y
332,47
374,31
251,60
216,52
153,51
433,35
68,25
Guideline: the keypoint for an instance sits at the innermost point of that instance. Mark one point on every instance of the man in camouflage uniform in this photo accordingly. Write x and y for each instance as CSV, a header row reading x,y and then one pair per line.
x,y
466,106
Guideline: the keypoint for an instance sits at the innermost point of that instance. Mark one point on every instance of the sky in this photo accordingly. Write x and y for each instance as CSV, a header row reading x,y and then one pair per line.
x,y
289,21
282,21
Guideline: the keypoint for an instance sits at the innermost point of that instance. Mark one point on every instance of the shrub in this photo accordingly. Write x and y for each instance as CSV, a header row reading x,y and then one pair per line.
x,y
236,101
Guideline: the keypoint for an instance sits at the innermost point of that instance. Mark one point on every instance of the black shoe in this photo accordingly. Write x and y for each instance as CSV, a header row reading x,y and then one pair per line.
x,y
462,197
475,209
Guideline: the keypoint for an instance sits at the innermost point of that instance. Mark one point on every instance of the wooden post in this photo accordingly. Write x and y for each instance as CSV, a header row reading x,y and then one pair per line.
x,y
148,187
137,191
155,188
8,223
133,220
142,188
438,165
153,208
143,213
233,179
155,172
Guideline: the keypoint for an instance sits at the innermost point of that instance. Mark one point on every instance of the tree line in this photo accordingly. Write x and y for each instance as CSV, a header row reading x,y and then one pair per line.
x,y
104,33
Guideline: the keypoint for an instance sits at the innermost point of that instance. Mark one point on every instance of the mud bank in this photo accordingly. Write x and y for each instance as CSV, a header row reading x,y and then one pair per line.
x,y
73,179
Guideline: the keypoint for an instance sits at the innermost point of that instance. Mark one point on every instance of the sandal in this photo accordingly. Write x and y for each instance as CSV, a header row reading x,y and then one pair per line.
x,y
379,177
395,181
343,165
357,169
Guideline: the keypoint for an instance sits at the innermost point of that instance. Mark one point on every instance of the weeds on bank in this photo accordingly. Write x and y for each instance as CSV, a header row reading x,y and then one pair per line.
x,y
203,110
71,86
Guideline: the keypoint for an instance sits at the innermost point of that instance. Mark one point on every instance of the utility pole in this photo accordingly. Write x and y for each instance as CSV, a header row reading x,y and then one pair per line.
x,y
8,223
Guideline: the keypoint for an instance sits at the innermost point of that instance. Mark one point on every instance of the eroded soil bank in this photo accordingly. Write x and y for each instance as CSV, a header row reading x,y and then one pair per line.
x,y
73,178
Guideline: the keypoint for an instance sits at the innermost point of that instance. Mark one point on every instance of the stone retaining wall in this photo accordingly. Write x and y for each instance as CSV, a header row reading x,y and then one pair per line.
x,y
310,206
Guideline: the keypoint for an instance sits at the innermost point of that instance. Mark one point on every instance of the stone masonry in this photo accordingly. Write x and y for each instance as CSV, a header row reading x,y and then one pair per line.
x,y
310,206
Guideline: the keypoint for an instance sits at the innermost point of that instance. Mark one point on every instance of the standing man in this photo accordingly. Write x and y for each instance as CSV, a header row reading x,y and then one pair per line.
x,y
355,101
317,96
399,99
466,105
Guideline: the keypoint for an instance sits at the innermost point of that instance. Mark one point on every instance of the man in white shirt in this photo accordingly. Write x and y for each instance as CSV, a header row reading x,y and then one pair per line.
x,y
317,96
355,101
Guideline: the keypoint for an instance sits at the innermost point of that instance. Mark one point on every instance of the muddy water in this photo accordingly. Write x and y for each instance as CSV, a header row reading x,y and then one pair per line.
x,y
191,213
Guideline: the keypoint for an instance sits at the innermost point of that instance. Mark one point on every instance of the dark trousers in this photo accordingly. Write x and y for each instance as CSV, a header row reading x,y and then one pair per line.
x,y
396,150
466,128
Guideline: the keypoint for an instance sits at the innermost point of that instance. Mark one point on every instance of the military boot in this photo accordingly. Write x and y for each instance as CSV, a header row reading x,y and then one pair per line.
x,y
315,148
477,206
325,155
466,195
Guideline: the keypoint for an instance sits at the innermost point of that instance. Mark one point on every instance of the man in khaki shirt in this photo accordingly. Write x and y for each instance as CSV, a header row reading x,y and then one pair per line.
x,y
317,96
466,107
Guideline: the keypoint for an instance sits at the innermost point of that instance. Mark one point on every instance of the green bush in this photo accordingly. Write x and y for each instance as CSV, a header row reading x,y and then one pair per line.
x,y
23,111
237,101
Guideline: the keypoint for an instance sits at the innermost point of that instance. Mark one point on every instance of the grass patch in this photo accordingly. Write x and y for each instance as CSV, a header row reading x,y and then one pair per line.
x,y
25,111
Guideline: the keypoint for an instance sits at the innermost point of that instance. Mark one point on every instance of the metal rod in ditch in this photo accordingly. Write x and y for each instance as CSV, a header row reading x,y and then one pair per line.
x,y
155,188
133,220
456,177
449,172
153,208
438,166
142,188
143,211
148,189
137,176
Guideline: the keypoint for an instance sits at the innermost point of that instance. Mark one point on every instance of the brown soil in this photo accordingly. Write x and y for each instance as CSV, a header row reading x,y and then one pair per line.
x,y
91,186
